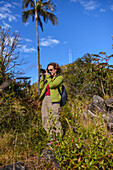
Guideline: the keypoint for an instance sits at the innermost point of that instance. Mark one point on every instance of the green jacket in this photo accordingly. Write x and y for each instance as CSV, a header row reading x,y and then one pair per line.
x,y
54,83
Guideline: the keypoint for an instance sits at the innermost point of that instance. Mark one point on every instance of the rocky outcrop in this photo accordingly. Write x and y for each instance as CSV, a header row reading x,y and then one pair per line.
x,y
100,106
16,166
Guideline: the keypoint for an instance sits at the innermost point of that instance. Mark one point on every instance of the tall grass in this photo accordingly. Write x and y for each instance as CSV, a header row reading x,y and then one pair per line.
x,y
86,144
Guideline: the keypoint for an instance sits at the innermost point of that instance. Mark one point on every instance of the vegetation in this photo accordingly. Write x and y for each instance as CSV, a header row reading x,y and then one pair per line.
x,y
9,55
39,9
86,144
89,75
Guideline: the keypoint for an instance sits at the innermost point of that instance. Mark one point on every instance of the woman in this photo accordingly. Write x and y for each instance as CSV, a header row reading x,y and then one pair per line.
x,y
49,83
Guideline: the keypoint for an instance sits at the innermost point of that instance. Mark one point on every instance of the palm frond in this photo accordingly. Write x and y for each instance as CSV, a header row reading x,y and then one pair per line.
x,y
33,15
42,8
49,16
27,14
26,3
49,5
40,23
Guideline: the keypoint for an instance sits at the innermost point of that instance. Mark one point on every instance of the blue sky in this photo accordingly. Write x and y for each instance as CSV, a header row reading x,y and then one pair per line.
x,y
84,26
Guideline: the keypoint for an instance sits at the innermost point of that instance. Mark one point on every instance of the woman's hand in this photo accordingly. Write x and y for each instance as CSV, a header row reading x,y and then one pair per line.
x,y
46,73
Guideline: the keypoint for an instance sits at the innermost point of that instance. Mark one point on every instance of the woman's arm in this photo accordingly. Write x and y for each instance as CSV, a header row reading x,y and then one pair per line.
x,y
42,82
55,82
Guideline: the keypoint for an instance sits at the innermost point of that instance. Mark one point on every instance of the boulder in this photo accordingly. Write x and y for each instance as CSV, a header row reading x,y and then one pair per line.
x,y
16,166
97,105
103,107
109,105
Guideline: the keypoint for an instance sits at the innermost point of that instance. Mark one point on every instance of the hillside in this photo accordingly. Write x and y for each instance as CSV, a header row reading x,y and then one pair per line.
x,y
86,142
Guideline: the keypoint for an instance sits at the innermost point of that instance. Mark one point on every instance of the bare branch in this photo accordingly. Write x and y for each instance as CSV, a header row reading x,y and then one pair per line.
x,y
9,55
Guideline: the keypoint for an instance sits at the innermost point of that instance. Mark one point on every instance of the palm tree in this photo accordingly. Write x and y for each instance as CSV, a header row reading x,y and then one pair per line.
x,y
37,10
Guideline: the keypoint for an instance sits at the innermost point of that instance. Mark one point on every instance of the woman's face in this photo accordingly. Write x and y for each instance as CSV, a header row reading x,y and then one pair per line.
x,y
52,70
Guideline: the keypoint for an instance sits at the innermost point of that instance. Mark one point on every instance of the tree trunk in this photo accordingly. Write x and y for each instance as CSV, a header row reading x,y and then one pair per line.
x,y
38,50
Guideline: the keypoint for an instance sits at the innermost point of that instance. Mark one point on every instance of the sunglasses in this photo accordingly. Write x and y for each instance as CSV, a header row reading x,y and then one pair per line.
x,y
50,69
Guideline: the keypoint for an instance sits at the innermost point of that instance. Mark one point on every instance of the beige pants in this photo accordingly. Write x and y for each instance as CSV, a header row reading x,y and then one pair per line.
x,y
51,113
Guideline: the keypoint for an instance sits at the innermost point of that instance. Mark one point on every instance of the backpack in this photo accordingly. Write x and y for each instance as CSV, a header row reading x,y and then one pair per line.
x,y
64,96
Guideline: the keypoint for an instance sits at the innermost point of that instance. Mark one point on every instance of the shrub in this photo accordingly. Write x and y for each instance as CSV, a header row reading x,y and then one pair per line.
x,y
87,146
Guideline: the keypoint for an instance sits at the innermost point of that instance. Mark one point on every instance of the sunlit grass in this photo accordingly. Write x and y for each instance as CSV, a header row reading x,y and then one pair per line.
x,y
86,143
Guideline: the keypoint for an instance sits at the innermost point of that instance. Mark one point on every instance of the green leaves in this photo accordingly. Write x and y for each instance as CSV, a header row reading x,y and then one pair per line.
x,y
89,75
26,3
87,147
38,9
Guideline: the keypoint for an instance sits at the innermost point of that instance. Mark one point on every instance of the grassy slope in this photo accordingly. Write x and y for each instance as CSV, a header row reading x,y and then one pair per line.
x,y
23,138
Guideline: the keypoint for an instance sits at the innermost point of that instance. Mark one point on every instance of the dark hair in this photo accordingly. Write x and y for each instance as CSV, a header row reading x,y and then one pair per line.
x,y
55,66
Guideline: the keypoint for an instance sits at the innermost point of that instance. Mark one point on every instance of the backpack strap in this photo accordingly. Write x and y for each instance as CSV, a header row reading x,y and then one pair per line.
x,y
59,91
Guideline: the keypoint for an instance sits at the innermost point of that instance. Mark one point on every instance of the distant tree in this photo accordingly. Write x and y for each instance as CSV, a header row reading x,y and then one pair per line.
x,y
89,75
9,43
77,75
102,73
39,9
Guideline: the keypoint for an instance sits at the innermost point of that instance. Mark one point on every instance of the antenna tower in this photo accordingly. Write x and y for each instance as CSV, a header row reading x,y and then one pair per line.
x,y
70,56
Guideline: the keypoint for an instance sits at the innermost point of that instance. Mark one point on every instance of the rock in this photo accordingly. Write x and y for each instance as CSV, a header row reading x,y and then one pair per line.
x,y
110,123
106,118
109,102
109,105
47,155
89,114
5,84
97,104
16,166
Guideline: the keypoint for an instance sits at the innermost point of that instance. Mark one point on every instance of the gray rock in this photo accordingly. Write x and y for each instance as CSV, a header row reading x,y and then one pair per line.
x,y
110,123
109,102
16,166
5,84
47,155
106,118
99,106
89,114
109,105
